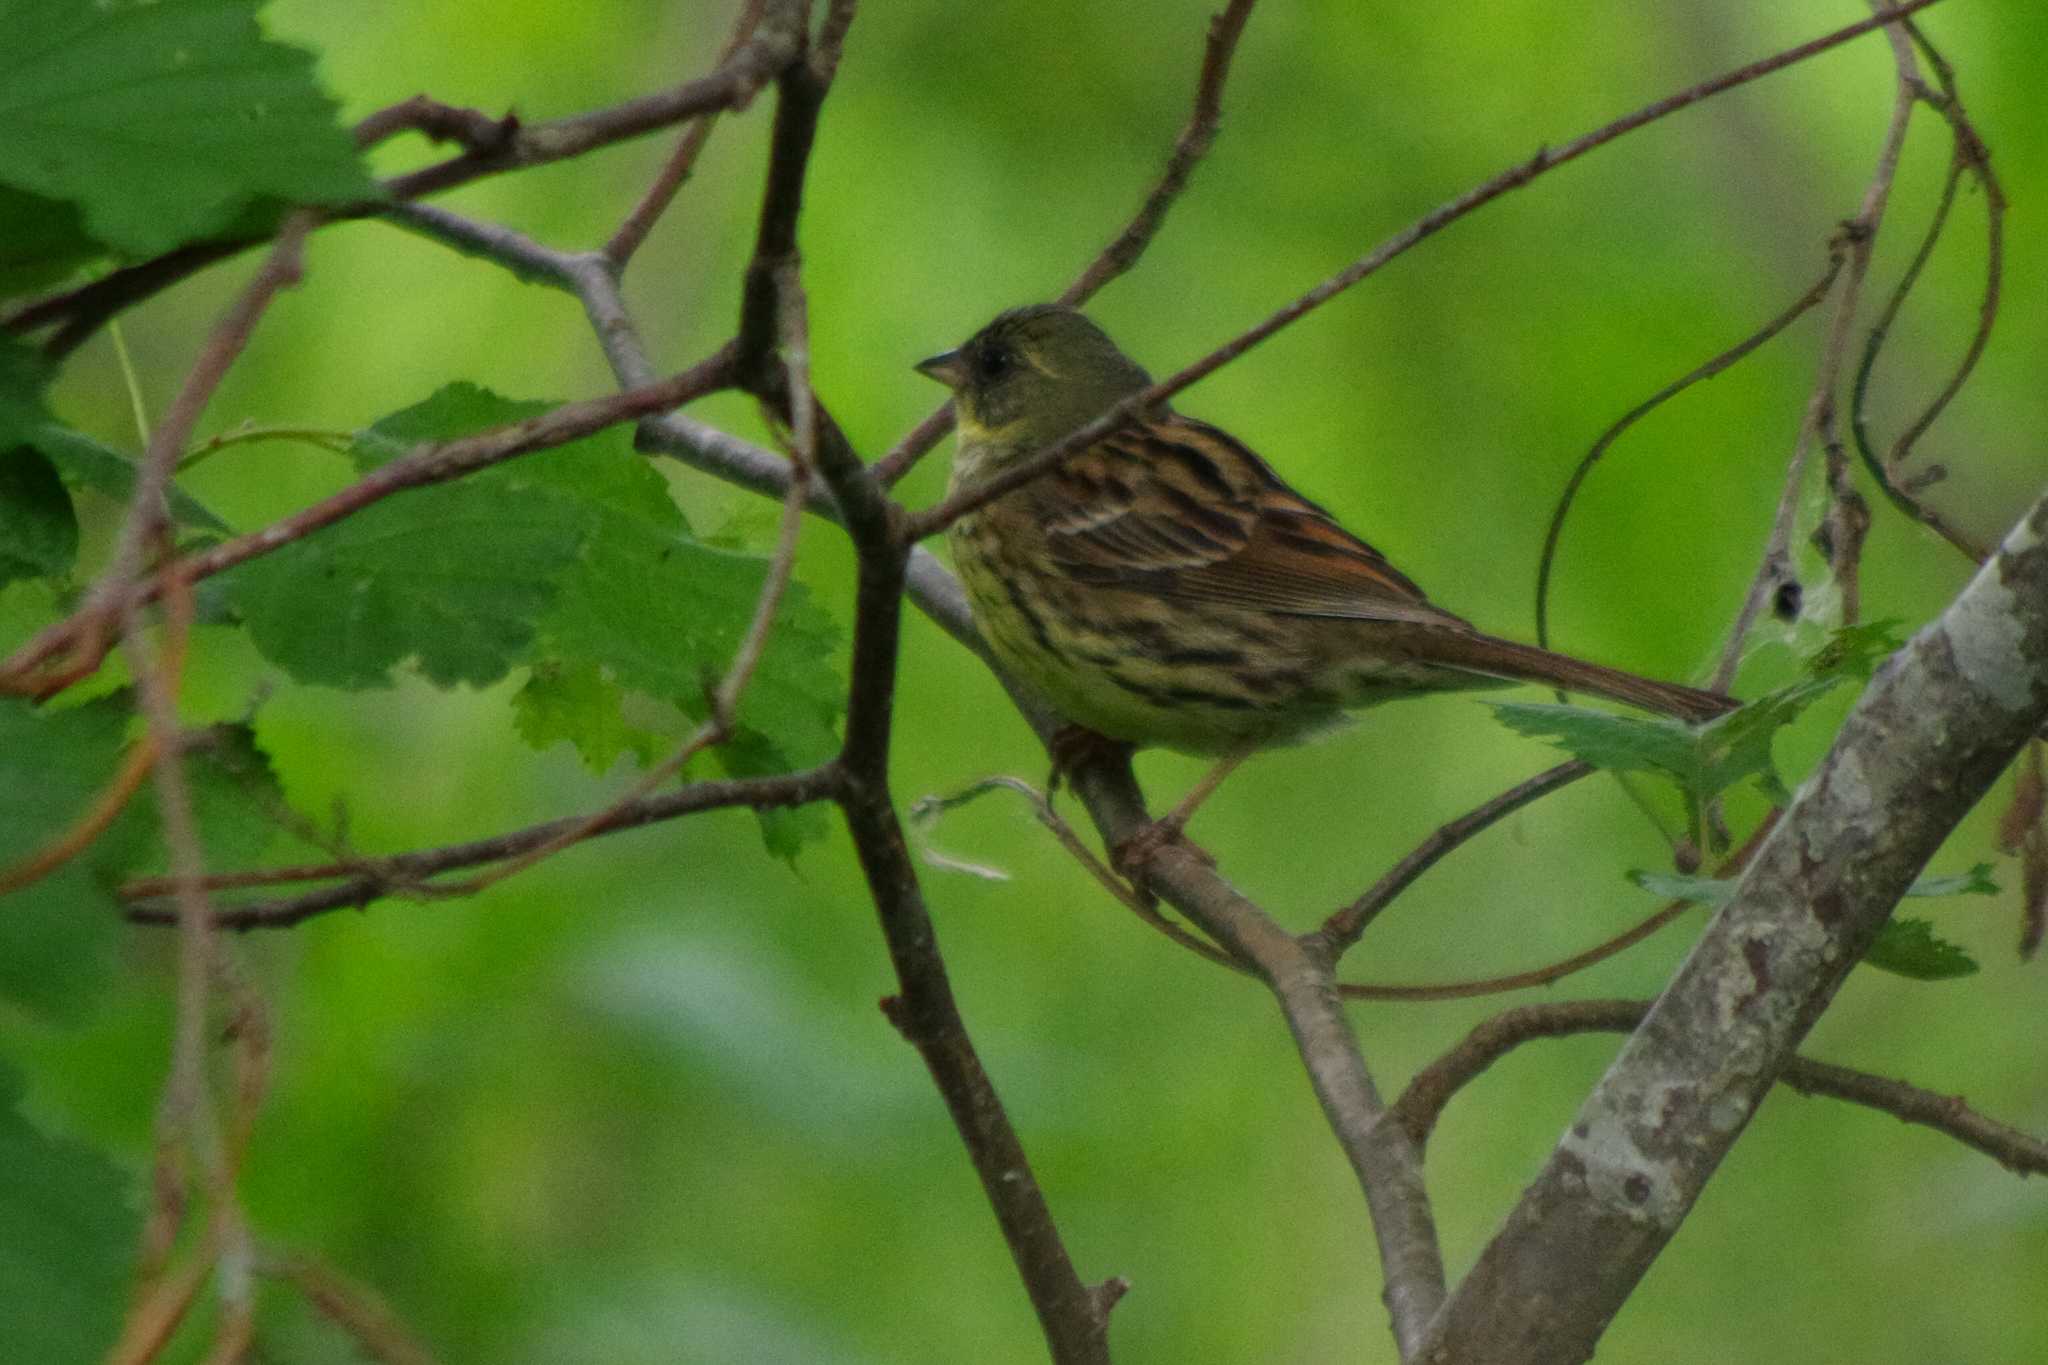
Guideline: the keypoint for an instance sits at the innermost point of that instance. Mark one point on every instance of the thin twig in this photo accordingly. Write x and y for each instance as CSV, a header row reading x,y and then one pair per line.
x,y
1073,1316
936,518
633,230
1856,238
365,882
1888,471
1547,561
1124,250
352,1306
1342,929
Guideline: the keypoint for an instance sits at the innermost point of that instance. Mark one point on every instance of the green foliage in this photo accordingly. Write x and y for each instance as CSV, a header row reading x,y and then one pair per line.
x,y
57,934
38,533
1909,948
1905,946
162,122
83,462
67,1255
576,704
575,561
1704,760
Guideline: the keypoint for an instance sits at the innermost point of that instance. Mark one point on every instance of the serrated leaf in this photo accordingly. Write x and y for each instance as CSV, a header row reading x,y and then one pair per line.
x,y
1910,948
784,831
1680,886
574,557
1608,740
1975,882
575,703
57,935
67,1241
38,529
41,241
164,120
1718,891
1706,759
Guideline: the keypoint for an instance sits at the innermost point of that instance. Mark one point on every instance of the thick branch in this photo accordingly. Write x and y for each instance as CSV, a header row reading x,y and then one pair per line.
x,y
1938,724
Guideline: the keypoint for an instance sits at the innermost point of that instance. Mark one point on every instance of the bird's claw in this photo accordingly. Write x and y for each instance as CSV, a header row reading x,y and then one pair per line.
x,y
1141,846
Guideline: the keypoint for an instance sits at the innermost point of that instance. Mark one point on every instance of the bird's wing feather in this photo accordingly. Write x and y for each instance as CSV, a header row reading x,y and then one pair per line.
x,y
1180,508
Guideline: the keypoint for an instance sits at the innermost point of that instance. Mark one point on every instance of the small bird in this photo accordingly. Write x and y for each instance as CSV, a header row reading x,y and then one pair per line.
x,y
1165,586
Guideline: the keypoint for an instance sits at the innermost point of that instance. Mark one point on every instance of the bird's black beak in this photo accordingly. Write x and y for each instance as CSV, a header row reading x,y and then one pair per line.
x,y
949,368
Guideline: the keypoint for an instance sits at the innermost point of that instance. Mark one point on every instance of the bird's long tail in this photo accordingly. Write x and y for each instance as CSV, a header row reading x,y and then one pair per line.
x,y
1514,662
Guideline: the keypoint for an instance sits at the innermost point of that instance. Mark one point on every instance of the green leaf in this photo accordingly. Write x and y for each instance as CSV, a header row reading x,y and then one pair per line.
x,y
1705,759
576,703
453,576
784,832
38,530
1680,886
1909,948
1718,891
573,559
83,462
164,120
1975,882
57,935
1605,739
23,374
41,241
67,1241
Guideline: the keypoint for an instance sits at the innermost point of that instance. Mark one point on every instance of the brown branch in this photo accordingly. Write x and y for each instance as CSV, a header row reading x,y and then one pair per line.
x,y
674,171
1927,738
1547,560
1969,157
1124,250
1302,980
1073,1316
90,824
81,311
1856,239
352,1306
363,882
78,642
1343,928
936,518
1422,1103
474,130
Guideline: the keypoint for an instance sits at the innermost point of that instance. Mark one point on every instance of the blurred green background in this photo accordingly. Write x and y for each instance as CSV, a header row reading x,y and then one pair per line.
x,y
638,1105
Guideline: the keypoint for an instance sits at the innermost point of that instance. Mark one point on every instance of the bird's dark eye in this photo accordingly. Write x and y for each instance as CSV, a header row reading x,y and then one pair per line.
x,y
995,361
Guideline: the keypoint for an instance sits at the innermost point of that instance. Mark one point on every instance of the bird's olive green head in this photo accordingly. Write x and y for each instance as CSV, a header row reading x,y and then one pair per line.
x,y
1032,376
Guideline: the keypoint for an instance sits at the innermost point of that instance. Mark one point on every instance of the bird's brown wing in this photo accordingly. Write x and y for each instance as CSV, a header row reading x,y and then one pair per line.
x,y
1182,509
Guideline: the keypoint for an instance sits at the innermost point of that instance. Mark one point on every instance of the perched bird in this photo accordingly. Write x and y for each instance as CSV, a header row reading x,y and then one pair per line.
x,y
1165,586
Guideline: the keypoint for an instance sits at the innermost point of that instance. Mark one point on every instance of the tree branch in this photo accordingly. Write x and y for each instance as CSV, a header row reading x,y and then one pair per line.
x,y
938,517
1937,725
1422,1103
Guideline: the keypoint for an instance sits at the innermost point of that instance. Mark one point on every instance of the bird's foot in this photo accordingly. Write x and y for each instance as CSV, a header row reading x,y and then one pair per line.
x,y
1142,845
1075,746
